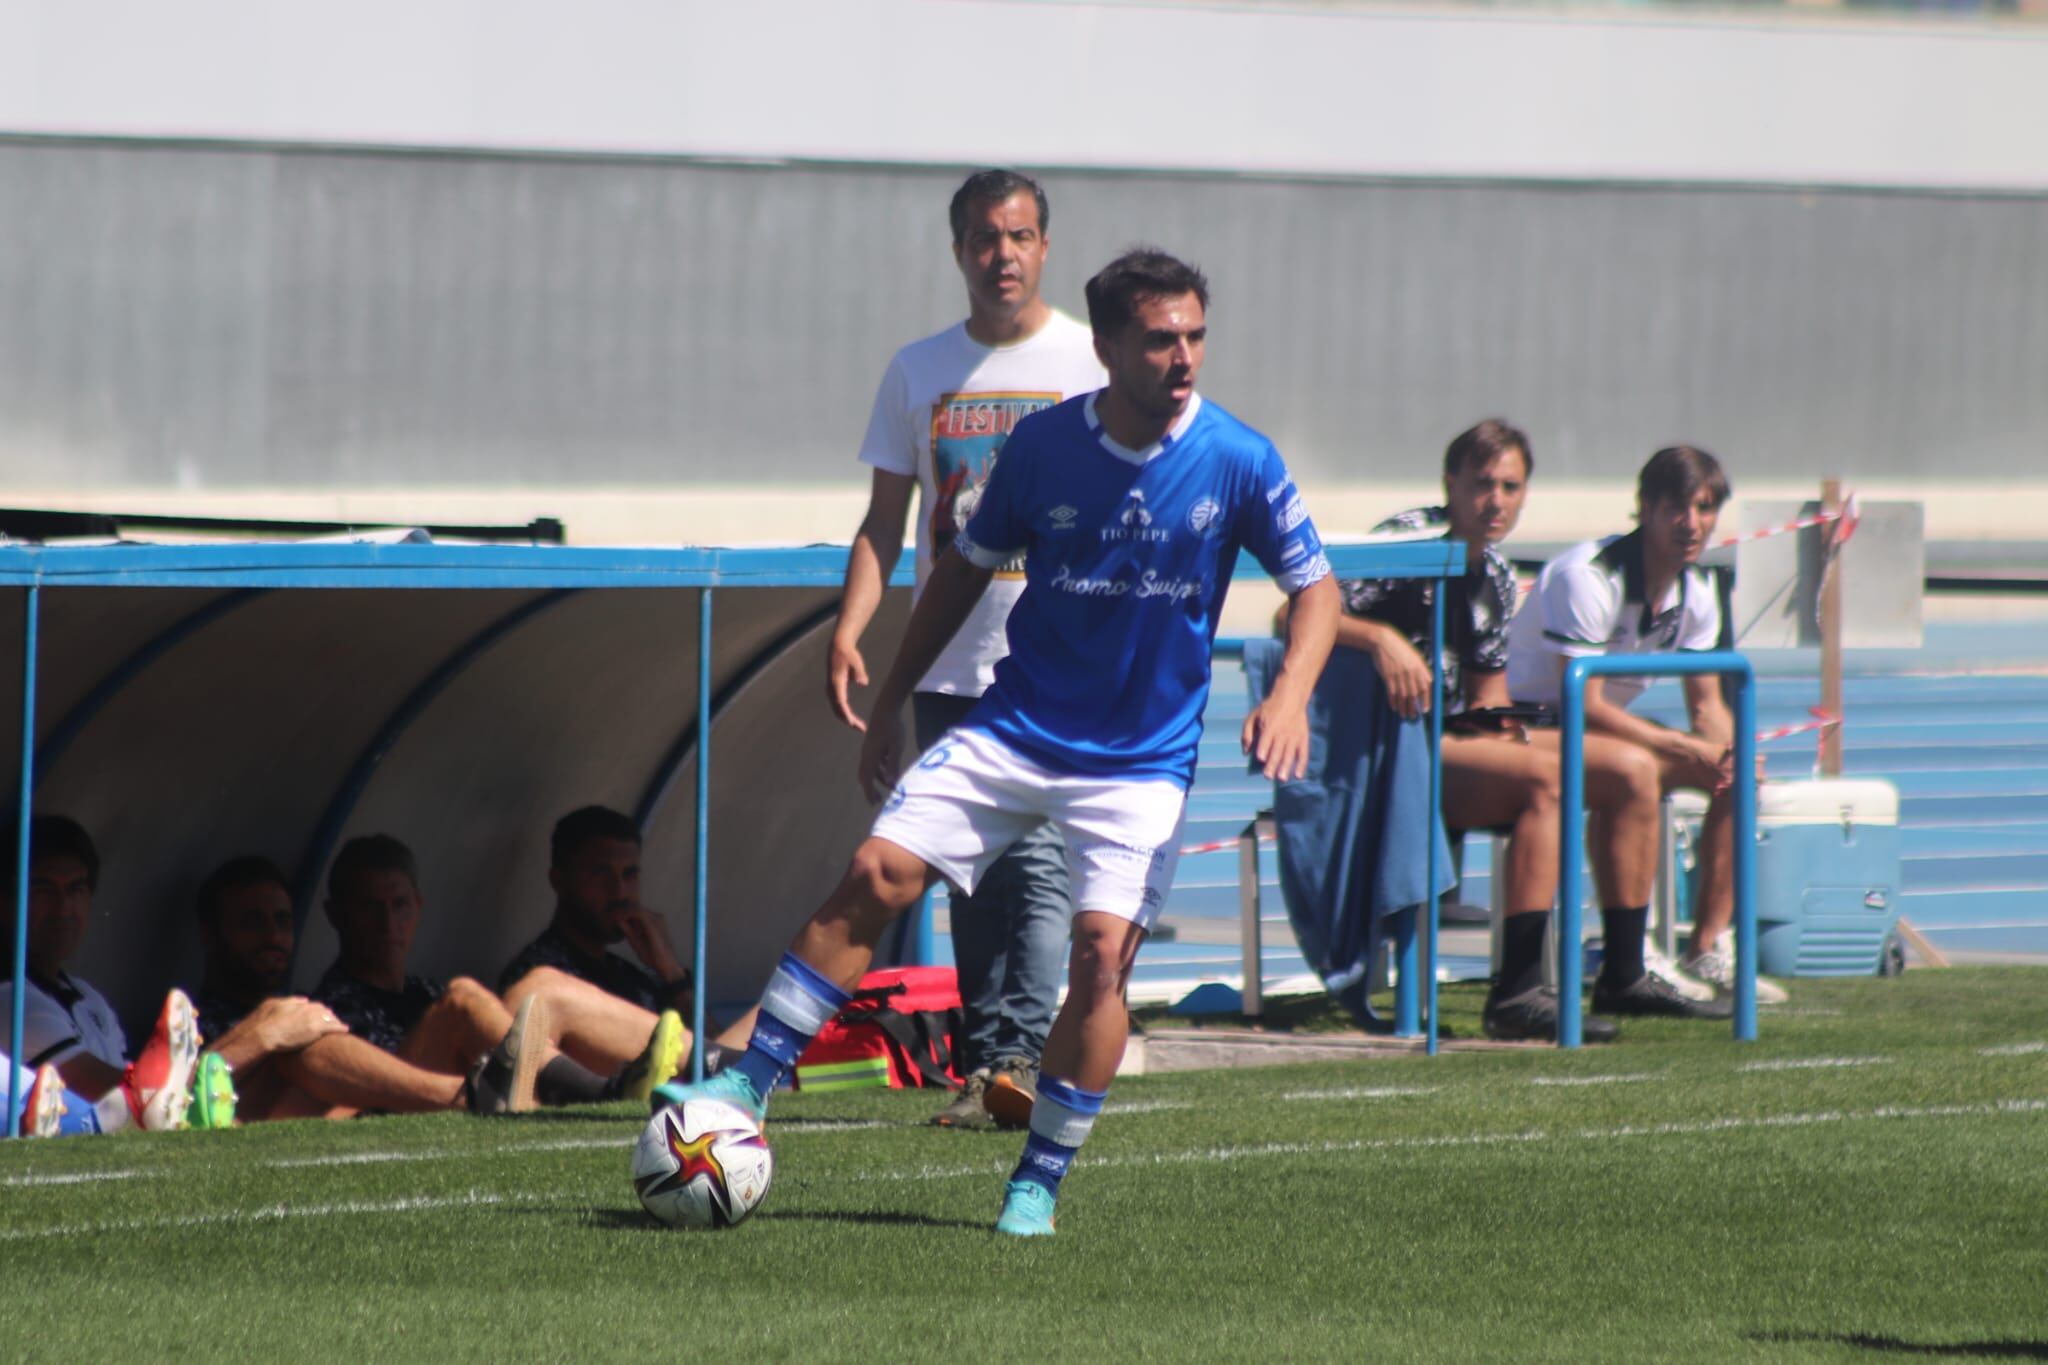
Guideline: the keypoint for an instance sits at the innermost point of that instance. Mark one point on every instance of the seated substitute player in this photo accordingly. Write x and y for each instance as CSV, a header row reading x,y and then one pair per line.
x,y
287,1066
594,869
1500,772
1645,593
374,903
1129,506
69,1027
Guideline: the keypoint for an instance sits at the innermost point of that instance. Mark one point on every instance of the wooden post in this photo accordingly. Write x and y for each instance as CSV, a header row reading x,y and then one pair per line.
x,y
1831,640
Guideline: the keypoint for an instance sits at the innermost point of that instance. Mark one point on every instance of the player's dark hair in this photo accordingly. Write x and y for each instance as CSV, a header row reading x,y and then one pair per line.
x,y
579,827
60,836
993,186
1143,272
371,853
1480,445
1680,472
233,875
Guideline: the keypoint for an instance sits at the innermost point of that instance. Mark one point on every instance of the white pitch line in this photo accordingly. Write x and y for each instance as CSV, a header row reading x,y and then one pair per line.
x,y
478,1199
1148,1107
1361,1092
443,1153
74,1177
2013,1050
1592,1080
269,1213
1888,1112
1812,1063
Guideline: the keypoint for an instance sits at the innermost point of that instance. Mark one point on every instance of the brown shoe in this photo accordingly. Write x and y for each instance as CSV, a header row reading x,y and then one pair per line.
x,y
502,1081
966,1110
1012,1090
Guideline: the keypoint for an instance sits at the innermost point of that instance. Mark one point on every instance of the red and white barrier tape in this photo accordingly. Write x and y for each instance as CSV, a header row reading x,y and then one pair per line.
x,y
1218,845
1847,516
1822,720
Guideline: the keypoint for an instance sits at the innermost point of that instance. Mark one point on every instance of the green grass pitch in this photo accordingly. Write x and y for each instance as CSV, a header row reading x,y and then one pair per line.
x,y
1869,1181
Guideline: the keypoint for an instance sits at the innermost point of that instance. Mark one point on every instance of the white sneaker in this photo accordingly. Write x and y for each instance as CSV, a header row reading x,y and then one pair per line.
x,y
1684,983
1716,966
159,1081
42,1109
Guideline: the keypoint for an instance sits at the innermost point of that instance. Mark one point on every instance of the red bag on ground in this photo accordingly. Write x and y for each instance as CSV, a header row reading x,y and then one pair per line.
x,y
899,1030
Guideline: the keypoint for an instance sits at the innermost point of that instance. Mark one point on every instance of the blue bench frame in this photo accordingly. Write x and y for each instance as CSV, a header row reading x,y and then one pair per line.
x,y
1572,821
415,566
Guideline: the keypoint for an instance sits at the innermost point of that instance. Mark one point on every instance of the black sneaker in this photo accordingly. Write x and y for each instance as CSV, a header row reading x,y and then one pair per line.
x,y
502,1081
1652,995
1532,1016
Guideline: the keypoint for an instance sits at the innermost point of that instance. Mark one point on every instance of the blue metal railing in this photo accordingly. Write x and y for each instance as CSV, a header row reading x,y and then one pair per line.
x,y
1572,821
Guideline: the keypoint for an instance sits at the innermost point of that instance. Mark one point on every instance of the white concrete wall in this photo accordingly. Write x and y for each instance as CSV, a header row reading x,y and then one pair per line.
x,y
1330,89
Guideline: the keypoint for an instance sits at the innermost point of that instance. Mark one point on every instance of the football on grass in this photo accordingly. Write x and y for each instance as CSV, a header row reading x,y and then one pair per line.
x,y
702,1164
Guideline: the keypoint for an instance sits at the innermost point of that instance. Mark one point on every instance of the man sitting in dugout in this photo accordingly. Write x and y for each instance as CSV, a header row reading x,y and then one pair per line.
x,y
602,1048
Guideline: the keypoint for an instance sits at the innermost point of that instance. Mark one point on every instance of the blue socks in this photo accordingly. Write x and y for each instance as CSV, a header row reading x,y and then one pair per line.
x,y
797,1003
1060,1123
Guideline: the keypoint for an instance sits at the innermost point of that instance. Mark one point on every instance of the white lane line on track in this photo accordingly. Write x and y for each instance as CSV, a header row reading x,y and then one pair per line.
x,y
1812,1063
1360,1092
2013,1050
269,1213
1592,1080
1889,1112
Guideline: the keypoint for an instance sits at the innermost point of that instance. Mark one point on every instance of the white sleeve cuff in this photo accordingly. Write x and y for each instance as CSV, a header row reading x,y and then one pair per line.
x,y
979,557
1310,573
889,461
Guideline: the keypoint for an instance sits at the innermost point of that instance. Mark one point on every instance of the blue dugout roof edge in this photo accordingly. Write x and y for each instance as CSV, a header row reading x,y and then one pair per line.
x,y
359,564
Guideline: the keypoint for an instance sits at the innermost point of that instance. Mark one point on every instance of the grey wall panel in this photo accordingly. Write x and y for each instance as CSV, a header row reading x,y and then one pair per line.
x,y
172,316
132,290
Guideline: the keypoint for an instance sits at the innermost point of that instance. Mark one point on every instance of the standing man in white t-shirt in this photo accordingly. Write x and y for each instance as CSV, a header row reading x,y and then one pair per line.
x,y
945,407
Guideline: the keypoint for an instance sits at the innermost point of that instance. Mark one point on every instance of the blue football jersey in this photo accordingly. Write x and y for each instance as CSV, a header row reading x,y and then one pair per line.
x,y
1127,557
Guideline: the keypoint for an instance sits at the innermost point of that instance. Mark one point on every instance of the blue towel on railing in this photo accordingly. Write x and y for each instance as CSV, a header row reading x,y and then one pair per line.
x,y
1351,829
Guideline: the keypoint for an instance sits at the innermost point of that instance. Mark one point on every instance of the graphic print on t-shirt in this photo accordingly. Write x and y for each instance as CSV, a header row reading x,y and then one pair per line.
x,y
968,431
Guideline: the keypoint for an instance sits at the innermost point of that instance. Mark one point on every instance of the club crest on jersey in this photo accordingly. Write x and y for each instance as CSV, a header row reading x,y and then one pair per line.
x,y
1204,517
1134,522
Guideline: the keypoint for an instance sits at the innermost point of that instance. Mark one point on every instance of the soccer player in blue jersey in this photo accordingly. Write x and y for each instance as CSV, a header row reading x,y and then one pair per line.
x,y
1129,506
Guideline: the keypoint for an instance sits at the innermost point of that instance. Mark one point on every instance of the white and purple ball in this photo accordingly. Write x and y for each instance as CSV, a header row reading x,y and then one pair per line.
x,y
702,1164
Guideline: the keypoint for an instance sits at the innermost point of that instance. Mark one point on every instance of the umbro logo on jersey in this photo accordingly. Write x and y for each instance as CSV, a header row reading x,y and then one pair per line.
x,y
1063,517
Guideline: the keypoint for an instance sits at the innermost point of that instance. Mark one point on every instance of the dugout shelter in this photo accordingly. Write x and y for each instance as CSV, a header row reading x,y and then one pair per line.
x,y
191,703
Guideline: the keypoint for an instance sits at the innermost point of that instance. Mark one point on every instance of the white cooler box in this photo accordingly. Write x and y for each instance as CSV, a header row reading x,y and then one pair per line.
x,y
1827,873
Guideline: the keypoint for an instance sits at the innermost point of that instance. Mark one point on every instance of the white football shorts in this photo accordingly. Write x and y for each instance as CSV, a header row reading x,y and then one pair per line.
x,y
970,796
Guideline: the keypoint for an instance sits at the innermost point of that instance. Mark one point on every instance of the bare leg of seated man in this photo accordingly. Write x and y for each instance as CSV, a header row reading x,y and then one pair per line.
x,y
341,1075
469,1023
1710,955
603,1031
1625,784
1496,781
457,1030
